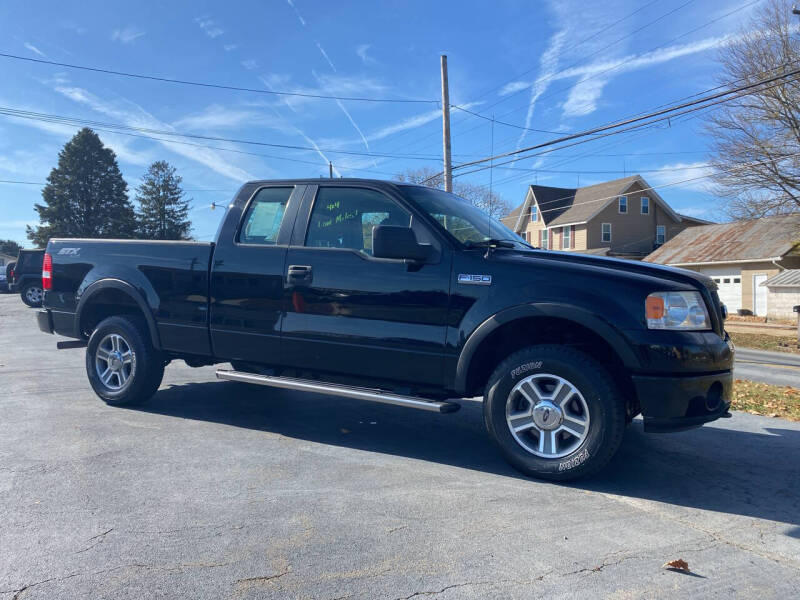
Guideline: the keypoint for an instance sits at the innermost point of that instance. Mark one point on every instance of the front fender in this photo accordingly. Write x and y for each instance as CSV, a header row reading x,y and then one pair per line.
x,y
566,312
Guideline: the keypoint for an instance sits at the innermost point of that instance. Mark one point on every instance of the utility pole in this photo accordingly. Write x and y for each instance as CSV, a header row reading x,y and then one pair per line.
x,y
448,168
330,169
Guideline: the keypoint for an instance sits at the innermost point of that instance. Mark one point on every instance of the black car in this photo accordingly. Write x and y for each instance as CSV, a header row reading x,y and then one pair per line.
x,y
401,294
26,277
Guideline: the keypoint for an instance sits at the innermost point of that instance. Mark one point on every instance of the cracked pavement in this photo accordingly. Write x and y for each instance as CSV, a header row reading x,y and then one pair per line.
x,y
221,490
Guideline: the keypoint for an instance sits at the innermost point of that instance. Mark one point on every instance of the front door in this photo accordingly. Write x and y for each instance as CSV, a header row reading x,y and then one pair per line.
x,y
352,314
759,295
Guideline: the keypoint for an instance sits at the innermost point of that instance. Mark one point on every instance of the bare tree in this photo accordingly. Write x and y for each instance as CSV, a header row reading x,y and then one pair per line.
x,y
756,137
476,194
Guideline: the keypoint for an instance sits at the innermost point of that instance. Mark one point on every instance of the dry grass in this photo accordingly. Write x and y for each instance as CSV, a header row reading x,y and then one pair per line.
x,y
767,400
754,319
762,341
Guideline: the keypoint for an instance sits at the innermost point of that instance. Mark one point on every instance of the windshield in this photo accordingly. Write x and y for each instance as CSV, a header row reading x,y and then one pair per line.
x,y
461,219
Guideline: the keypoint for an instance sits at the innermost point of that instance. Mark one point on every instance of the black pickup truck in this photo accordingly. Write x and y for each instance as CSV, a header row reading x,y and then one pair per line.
x,y
397,293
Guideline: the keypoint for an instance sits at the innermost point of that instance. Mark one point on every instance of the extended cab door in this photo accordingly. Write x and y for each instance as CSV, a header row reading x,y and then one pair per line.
x,y
352,314
247,274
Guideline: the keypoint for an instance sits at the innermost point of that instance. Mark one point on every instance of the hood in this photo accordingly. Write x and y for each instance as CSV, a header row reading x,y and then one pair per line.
x,y
618,265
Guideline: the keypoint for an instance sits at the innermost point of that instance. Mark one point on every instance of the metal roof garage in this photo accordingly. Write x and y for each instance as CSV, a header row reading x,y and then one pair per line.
x,y
740,256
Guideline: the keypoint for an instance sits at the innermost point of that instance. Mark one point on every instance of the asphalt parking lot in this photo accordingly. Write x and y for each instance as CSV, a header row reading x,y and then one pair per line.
x,y
220,490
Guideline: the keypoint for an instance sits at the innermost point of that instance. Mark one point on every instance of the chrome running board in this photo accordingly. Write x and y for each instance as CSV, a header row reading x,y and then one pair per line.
x,y
305,385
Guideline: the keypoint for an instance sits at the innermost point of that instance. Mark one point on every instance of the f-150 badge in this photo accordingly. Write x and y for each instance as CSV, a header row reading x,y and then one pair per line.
x,y
475,279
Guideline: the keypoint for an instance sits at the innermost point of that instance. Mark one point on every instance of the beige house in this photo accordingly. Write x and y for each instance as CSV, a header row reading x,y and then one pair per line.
x,y
6,258
742,257
624,217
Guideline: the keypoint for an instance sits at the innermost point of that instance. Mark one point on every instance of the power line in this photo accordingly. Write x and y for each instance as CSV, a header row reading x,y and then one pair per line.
x,y
214,85
474,114
118,127
648,118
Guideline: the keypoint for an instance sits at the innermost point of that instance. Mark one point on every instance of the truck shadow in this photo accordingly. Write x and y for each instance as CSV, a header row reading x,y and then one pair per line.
x,y
720,467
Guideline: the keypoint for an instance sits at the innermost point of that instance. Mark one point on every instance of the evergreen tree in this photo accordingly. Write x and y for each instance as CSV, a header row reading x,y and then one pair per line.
x,y
85,195
163,210
9,247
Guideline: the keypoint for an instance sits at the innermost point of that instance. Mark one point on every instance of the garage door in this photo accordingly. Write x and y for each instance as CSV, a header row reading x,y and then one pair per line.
x,y
730,289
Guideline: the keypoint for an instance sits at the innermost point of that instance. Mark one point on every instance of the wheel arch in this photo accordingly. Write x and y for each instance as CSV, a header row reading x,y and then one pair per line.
x,y
110,297
530,324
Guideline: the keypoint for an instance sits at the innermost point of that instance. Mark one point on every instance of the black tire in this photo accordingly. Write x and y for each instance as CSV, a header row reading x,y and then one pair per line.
x,y
32,294
146,364
596,393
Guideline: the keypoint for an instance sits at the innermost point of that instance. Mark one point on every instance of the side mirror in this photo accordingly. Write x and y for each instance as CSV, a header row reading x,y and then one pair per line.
x,y
391,241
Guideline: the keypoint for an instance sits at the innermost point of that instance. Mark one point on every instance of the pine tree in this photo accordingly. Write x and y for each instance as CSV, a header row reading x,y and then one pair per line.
x,y
163,210
85,195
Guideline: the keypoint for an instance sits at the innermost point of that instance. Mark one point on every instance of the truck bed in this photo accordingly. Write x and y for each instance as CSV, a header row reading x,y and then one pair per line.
x,y
172,277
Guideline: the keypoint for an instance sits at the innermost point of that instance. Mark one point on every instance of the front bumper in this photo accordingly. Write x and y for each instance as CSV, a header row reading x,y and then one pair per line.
x,y
676,403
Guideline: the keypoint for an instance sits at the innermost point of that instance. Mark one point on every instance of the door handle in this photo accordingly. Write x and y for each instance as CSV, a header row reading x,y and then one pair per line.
x,y
299,275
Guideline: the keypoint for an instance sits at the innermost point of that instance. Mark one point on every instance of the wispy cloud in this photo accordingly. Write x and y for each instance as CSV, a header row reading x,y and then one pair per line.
x,y
405,124
593,77
209,27
34,49
250,64
297,12
230,47
361,51
128,35
670,174
134,115
217,117
325,56
548,63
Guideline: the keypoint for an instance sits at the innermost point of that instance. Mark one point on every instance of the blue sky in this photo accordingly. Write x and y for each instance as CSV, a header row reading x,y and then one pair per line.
x,y
558,65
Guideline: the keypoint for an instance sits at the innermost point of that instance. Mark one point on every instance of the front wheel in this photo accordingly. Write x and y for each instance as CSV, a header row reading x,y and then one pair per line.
x,y
32,295
121,363
555,412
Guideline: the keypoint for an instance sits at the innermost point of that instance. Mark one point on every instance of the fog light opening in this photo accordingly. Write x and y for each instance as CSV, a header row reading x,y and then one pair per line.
x,y
714,396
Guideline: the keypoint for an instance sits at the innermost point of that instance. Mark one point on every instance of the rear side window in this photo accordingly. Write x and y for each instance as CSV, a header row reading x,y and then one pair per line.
x,y
343,217
264,216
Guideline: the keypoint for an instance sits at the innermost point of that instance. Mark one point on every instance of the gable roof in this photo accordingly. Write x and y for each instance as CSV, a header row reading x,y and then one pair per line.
x,y
767,238
569,206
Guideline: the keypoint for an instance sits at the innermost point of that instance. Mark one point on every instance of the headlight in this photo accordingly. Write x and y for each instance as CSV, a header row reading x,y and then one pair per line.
x,y
677,310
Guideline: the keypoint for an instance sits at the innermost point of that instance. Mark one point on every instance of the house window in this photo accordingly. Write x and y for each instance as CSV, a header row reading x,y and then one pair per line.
x,y
623,204
661,234
737,280
566,238
544,239
606,232
645,205
534,213
726,280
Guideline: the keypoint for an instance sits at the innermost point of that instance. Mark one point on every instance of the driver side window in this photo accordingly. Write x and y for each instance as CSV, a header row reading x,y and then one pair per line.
x,y
343,217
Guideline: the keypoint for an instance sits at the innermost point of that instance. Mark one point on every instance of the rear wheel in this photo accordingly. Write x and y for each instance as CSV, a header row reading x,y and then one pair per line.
x,y
555,412
121,363
32,295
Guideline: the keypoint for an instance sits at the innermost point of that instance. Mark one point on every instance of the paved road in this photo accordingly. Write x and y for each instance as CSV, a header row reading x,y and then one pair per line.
x,y
776,368
219,490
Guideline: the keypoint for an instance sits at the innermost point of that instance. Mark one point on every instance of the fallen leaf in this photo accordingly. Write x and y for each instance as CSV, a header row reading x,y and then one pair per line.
x,y
679,564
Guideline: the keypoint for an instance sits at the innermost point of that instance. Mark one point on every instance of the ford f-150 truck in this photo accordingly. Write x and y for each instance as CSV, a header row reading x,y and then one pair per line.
x,y
402,294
